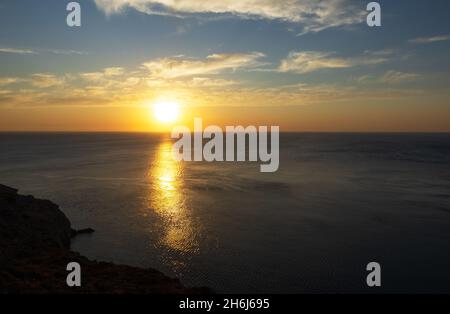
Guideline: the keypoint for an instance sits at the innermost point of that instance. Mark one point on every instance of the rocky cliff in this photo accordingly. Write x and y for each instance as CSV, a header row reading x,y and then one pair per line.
x,y
35,238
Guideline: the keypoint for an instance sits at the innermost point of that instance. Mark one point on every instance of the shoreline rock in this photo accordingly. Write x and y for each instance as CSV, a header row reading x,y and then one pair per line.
x,y
35,238
82,231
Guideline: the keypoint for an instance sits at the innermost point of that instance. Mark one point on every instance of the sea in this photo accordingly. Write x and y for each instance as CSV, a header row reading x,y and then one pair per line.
x,y
338,202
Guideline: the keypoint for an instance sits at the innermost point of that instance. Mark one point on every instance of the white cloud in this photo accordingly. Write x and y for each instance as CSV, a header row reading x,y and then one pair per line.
x,y
313,15
17,51
310,61
429,40
38,51
170,68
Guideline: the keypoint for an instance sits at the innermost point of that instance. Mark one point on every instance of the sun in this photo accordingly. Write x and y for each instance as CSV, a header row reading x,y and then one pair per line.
x,y
167,111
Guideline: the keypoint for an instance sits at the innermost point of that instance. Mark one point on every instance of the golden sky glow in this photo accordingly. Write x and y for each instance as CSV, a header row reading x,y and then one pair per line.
x,y
149,64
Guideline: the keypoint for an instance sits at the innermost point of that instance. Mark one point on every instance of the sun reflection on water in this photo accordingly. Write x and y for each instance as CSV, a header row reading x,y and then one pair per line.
x,y
168,200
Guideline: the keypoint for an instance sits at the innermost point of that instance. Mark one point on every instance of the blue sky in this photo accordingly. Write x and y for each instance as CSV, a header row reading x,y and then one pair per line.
x,y
296,49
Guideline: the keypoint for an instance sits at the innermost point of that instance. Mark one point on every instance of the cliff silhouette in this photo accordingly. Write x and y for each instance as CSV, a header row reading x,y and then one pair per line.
x,y
35,238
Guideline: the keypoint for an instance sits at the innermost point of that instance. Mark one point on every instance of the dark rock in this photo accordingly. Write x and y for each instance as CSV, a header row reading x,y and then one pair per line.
x,y
82,231
35,250
7,193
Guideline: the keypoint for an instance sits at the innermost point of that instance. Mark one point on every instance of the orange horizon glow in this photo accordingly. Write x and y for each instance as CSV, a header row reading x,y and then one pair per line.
x,y
312,118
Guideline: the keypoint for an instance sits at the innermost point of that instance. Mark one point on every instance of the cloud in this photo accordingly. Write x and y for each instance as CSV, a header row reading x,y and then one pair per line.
x,y
5,92
92,76
118,86
170,68
105,74
394,77
390,77
114,71
67,52
312,15
208,82
9,80
198,83
380,53
38,51
310,61
429,40
17,51
43,80
134,91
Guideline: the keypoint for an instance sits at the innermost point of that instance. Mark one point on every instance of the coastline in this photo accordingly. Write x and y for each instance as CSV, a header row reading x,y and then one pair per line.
x,y
35,239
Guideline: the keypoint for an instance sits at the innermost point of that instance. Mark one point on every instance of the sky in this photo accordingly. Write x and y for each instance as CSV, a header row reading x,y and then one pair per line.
x,y
302,65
